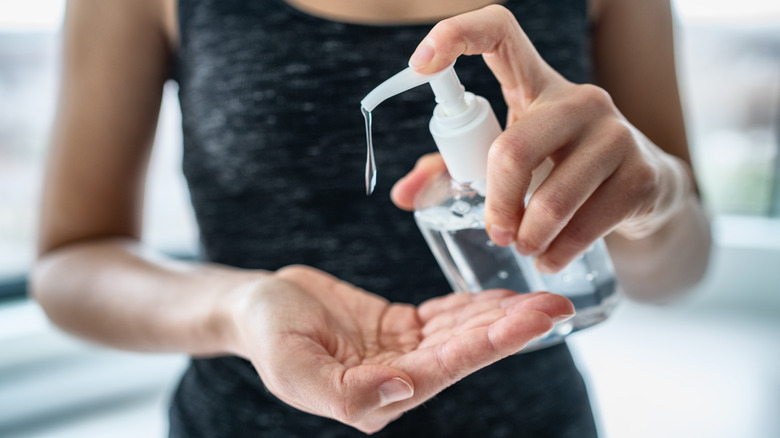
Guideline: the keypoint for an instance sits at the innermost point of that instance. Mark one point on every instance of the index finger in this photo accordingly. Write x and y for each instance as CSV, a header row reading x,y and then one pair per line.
x,y
493,32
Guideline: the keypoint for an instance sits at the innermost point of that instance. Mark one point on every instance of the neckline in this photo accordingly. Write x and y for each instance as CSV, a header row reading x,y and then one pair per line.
x,y
302,12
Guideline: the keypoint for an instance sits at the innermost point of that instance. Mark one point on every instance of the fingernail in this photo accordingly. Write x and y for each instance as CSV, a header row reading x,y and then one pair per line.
x,y
562,318
501,236
394,390
422,56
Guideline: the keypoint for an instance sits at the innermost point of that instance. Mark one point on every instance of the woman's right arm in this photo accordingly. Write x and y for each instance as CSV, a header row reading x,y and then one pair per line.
x,y
93,277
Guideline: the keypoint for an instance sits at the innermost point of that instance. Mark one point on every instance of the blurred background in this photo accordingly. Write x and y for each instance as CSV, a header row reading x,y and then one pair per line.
x,y
708,365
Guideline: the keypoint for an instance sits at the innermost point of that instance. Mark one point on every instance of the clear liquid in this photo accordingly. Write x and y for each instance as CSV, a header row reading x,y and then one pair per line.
x,y
370,161
455,232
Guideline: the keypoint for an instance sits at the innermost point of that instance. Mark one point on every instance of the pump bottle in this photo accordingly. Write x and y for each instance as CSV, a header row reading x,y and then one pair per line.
x,y
450,211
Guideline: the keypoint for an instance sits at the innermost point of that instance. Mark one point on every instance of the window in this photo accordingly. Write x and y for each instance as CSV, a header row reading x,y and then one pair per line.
x,y
27,83
729,63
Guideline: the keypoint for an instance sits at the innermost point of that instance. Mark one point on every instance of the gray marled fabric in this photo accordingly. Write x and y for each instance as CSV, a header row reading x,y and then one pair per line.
x,y
274,151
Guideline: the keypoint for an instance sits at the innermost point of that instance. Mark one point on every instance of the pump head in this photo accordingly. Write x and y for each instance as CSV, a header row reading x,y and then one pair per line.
x,y
445,84
463,125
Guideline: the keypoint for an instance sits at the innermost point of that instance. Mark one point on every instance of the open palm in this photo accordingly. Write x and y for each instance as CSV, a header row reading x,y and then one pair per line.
x,y
329,348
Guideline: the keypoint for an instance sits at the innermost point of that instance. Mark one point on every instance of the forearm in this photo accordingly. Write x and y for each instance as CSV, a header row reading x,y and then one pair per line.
x,y
666,263
117,293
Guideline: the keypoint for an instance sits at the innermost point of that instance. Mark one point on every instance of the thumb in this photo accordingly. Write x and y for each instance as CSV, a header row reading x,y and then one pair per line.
x,y
406,188
369,387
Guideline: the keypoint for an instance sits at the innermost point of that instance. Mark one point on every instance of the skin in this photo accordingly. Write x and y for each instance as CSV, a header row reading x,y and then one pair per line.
x,y
610,177
320,344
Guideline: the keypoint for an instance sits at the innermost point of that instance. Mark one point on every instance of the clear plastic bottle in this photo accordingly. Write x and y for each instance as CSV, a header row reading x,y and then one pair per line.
x,y
451,218
450,211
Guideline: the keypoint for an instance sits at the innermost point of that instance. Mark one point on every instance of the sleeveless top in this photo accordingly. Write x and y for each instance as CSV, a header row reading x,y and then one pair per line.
x,y
274,156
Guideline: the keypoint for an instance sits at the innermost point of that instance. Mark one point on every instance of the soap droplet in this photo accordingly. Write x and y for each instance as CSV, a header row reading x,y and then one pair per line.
x,y
370,161
490,243
503,275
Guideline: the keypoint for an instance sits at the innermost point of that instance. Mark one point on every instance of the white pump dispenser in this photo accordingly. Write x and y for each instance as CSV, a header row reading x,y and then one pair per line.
x,y
450,210
463,125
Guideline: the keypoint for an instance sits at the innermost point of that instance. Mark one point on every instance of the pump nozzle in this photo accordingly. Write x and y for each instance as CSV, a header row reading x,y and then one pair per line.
x,y
463,125
446,86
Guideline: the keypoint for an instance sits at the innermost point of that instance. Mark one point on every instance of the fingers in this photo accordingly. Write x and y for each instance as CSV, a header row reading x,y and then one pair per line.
x,y
494,32
304,375
549,117
436,306
574,180
598,216
481,345
572,125
557,307
540,132
449,317
405,189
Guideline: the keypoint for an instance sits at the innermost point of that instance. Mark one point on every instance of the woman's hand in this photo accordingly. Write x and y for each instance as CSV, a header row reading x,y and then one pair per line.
x,y
605,174
332,349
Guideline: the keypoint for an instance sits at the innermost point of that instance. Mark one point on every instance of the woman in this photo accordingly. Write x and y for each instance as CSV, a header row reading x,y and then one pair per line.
x,y
272,136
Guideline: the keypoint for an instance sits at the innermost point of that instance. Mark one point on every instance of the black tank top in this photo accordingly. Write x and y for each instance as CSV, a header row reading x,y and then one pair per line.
x,y
274,155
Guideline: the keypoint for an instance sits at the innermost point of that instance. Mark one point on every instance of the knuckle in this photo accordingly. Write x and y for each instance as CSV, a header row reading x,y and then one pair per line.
x,y
577,238
509,153
640,181
293,273
502,12
550,207
501,213
449,29
646,180
619,138
594,96
530,244
291,270
623,134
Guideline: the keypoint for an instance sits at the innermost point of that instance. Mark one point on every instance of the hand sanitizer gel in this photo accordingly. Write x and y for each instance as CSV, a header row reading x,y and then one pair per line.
x,y
450,211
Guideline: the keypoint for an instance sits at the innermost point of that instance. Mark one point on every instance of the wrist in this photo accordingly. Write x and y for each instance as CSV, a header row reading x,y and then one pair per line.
x,y
231,308
675,185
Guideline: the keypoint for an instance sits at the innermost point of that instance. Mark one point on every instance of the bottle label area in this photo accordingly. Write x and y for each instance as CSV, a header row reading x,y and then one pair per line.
x,y
472,262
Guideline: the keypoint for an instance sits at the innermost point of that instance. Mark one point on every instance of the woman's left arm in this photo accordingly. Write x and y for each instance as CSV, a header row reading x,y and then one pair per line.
x,y
621,167
667,251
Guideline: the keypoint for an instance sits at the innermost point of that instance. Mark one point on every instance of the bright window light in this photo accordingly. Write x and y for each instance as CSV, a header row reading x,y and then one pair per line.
x,y
744,11
31,15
